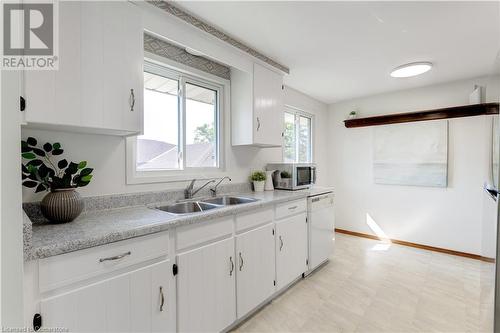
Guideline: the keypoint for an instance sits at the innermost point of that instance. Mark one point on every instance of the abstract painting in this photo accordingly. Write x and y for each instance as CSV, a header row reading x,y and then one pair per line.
x,y
411,154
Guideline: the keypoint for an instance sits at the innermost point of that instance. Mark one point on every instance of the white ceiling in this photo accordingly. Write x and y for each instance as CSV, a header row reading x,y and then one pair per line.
x,y
342,50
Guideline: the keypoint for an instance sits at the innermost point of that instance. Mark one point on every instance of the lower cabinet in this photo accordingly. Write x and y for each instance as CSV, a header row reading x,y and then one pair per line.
x,y
291,249
138,301
206,288
255,268
225,270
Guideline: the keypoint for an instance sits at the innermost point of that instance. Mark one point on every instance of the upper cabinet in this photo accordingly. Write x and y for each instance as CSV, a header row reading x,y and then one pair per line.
x,y
99,85
257,107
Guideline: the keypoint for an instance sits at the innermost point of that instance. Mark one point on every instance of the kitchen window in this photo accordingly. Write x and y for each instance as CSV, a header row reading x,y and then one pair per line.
x,y
297,145
182,116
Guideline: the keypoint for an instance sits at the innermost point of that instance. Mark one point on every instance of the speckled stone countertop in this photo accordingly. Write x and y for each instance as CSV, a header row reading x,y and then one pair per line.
x,y
94,228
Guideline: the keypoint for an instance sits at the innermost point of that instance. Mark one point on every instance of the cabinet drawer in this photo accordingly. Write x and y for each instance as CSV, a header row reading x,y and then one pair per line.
x,y
58,271
196,234
291,208
248,221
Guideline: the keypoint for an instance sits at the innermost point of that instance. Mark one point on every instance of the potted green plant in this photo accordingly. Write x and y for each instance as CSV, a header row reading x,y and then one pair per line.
x,y
285,178
285,174
41,172
258,178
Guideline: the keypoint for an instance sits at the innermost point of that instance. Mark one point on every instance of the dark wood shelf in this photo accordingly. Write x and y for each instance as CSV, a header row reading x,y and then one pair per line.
x,y
436,114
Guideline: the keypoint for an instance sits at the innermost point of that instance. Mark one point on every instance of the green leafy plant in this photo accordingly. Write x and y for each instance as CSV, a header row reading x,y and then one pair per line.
x,y
285,174
258,176
39,169
204,134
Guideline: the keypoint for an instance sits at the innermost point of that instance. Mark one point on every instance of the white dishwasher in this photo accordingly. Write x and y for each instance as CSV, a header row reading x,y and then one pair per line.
x,y
321,225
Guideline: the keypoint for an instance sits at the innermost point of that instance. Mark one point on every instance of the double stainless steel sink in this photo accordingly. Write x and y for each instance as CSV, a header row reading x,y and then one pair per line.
x,y
190,207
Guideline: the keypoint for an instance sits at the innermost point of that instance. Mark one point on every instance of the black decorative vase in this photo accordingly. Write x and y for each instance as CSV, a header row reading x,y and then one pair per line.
x,y
62,205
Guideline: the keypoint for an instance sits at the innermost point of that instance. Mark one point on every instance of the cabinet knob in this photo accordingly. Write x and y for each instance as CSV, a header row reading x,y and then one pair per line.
x,y
258,123
281,243
132,100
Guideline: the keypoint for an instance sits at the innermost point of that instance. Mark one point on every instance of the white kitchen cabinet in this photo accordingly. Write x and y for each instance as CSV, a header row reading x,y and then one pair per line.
x,y
142,300
255,268
226,269
291,249
98,87
206,288
257,107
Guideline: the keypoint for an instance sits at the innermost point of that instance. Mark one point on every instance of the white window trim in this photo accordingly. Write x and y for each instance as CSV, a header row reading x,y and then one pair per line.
x,y
297,111
172,69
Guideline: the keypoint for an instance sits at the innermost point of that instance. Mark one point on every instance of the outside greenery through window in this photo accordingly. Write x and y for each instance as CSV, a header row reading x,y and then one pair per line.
x,y
297,137
180,123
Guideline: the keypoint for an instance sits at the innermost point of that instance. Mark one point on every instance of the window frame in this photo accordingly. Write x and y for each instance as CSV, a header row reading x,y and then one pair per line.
x,y
195,77
297,113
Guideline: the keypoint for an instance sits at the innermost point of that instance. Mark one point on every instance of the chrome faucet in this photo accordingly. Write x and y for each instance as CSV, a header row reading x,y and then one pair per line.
x,y
214,189
189,193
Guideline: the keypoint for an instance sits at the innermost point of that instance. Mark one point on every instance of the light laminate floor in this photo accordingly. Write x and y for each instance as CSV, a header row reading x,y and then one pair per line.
x,y
371,286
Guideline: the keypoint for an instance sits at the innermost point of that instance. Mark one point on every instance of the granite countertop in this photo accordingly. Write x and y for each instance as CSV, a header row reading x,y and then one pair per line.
x,y
101,227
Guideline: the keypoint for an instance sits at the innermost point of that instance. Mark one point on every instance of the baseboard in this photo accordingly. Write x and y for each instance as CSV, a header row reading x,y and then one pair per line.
x,y
419,246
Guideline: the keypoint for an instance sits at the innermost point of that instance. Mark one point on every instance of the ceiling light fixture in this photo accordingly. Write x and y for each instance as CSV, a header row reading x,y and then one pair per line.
x,y
412,69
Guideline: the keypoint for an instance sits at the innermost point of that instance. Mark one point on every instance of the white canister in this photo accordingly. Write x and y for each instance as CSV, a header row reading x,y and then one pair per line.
x,y
476,95
269,181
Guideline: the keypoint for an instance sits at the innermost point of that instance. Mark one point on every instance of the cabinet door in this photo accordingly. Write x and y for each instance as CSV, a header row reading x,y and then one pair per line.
x,y
206,288
81,310
152,295
100,64
291,249
126,303
268,107
122,58
255,268
53,96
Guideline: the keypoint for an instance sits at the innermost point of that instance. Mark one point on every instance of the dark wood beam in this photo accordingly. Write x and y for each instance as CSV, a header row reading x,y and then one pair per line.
x,y
436,114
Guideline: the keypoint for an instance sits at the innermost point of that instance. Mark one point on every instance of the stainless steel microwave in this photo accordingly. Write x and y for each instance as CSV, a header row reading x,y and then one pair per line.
x,y
292,176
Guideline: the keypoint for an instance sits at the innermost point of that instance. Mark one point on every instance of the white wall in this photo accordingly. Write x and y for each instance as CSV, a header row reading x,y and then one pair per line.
x,y
443,217
106,154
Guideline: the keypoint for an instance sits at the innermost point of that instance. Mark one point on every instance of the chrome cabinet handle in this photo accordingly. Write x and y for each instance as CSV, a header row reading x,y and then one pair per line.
x,y
132,100
162,299
116,257
258,123
292,208
241,262
281,243
232,266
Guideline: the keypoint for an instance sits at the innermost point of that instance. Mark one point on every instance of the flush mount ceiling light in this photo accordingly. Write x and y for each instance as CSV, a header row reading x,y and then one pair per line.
x,y
412,69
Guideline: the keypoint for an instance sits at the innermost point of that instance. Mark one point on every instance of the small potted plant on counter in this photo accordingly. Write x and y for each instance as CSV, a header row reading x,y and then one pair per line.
x,y
286,179
63,203
258,178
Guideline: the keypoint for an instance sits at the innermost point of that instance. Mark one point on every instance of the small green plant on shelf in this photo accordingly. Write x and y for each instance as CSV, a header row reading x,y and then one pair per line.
x,y
258,176
39,168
